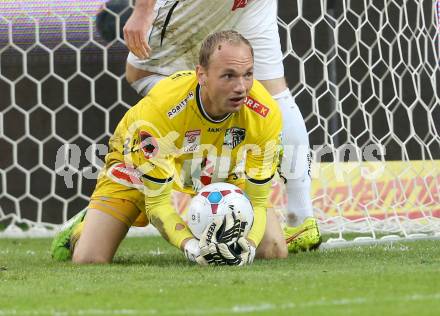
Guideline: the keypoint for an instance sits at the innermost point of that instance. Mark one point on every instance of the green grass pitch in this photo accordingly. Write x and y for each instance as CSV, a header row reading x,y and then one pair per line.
x,y
149,277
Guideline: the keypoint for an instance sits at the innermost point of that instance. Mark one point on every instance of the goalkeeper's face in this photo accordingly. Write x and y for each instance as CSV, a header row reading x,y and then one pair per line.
x,y
227,80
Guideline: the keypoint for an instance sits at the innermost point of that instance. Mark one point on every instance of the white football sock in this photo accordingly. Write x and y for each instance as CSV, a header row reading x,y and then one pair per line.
x,y
296,160
145,84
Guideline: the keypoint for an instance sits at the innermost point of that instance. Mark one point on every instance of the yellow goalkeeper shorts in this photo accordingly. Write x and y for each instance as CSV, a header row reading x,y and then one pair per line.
x,y
118,193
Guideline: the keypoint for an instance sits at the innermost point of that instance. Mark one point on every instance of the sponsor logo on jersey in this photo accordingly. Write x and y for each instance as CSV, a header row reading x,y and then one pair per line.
x,y
191,141
181,74
148,144
214,129
255,106
125,175
234,136
180,106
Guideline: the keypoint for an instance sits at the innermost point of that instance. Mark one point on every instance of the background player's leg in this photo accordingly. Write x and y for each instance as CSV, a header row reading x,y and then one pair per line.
x,y
273,245
296,160
259,26
295,163
100,238
141,80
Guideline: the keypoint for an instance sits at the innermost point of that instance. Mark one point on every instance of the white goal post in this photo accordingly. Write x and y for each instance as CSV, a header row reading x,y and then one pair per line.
x,y
365,74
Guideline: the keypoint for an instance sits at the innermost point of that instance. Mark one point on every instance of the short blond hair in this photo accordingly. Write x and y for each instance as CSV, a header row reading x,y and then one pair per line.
x,y
214,41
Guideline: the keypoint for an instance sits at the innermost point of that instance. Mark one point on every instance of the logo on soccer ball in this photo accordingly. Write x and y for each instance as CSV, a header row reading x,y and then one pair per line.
x,y
217,200
214,197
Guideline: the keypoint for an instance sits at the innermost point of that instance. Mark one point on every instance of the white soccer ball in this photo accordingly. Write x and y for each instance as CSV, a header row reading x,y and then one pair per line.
x,y
217,200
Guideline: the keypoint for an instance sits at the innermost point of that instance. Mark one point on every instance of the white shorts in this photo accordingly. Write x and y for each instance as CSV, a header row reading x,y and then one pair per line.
x,y
192,20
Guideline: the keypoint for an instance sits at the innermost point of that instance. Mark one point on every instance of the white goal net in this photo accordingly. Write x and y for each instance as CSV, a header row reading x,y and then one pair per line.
x,y
365,74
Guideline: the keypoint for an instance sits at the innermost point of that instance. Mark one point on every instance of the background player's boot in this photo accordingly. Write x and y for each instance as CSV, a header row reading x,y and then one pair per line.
x,y
64,241
303,237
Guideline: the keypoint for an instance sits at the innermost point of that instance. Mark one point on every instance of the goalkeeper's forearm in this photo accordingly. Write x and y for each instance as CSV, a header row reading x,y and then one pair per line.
x,y
258,194
162,215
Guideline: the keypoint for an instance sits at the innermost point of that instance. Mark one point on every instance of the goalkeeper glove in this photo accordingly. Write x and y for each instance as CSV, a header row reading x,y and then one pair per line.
x,y
236,253
247,254
231,228
208,240
192,250
222,243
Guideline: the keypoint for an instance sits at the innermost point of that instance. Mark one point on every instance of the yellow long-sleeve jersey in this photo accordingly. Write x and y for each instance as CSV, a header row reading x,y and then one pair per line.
x,y
169,138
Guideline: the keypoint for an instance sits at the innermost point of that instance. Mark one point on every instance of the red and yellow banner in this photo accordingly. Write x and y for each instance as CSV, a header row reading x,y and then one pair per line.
x,y
377,189
366,189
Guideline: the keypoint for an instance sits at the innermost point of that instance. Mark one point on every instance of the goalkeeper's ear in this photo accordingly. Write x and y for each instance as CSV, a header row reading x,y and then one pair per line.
x,y
201,75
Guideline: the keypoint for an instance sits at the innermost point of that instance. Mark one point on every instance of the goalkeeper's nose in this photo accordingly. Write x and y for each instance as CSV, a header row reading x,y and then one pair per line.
x,y
240,87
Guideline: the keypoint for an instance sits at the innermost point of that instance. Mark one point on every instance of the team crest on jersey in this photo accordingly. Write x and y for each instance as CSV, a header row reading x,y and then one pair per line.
x,y
191,141
148,144
234,136
180,106
256,106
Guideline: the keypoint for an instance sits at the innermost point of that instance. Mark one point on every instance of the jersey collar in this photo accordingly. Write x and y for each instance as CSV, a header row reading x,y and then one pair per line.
x,y
202,109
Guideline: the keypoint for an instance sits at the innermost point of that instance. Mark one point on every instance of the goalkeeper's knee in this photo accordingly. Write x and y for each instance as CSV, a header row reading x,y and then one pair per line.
x,y
272,249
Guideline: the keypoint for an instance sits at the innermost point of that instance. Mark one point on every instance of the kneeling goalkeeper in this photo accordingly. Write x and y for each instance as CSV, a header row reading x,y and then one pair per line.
x,y
192,129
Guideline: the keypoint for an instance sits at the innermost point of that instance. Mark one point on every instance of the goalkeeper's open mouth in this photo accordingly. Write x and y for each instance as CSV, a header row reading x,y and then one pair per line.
x,y
236,102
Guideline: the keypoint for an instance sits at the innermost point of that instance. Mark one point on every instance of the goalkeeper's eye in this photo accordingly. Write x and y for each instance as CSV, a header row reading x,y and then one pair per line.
x,y
227,76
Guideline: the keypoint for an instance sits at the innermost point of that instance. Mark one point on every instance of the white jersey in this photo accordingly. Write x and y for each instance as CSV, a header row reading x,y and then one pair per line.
x,y
180,27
